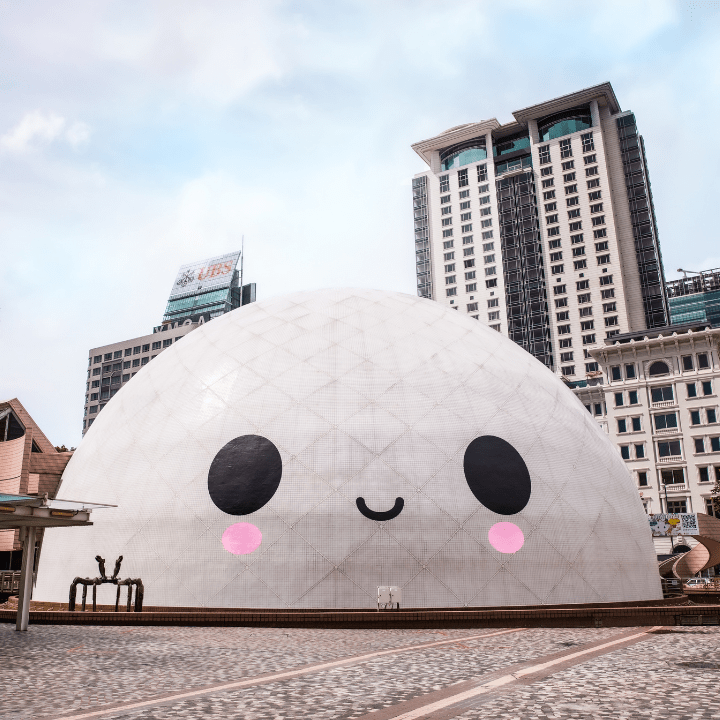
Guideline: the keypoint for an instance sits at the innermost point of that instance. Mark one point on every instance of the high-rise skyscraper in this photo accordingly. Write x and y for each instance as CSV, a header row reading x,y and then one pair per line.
x,y
201,291
544,227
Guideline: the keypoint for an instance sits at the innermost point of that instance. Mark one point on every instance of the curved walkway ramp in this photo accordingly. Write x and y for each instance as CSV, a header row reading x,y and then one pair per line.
x,y
704,555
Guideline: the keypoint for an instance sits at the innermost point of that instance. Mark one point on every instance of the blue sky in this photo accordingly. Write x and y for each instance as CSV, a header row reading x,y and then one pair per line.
x,y
137,136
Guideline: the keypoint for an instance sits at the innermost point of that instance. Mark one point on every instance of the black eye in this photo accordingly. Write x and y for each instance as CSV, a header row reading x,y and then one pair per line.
x,y
497,475
244,475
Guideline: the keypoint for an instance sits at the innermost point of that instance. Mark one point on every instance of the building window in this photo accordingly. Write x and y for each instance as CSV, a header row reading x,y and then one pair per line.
x,y
625,452
598,409
548,182
577,251
661,394
633,397
125,378
447,233
615,373
569,177
669,448
108,356
97,371
666,421
466,216
598,208
449,292
596,195
568,370
450,280
618,399
703,363
580,264
446,210
487,234
715,444
565,149
468,264
556,256
465,205
707,387
96,383
574,226
490,271
658,368
699,445
93,409
462,178
677,506
444,199
570,189
590,159
482,175
491,283
711,416
570,165
483,223
599,220
589,172
559,289
587,325
593,183
145,361
575,213
448,244
563,330
640,451
555,243
642,478
472,287
562,316
588,339
687,362
607,280
544,154
97,359
136,362
468,251
444,183
622,425
691,390
472,307
447,221
591,367
610,321
166,343
484,200
136,350
557,269
587,142
566,357
695,417
553,231
586,311
487,259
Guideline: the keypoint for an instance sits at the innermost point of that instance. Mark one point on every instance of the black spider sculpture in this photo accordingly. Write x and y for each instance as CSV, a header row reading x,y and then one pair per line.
x,y
114,580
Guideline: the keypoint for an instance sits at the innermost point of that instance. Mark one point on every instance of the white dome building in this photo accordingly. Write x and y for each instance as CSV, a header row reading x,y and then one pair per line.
x,y
300,452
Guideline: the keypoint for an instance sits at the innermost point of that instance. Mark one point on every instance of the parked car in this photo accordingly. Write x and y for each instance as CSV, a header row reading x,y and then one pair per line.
x,y
698,582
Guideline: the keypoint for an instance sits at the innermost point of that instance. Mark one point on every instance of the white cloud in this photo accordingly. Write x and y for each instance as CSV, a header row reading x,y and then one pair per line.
x,y
78,134
33,130
36,130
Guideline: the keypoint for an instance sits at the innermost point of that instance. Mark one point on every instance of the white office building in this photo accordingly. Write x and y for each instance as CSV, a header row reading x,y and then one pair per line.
x,y
543,227
658,400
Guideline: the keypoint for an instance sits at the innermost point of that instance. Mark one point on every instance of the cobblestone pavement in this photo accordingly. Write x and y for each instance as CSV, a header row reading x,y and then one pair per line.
x,y
54,671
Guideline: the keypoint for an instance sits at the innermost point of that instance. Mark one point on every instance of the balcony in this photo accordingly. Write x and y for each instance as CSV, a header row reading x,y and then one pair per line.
x,y
663,404
667,431
671,459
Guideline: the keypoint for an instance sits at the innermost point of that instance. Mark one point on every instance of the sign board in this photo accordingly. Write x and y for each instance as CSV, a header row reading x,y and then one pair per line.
x,y
205,275
673,524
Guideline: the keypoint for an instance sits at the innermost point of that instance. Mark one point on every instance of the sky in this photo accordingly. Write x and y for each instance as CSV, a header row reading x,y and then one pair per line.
x,y
136,136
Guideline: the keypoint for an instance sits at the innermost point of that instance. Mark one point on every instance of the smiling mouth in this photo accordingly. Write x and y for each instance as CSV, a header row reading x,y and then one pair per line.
x,y
386,515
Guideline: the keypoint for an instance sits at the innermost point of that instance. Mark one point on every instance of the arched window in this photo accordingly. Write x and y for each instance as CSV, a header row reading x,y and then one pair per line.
x,y
564,123
463,153
659,368
681,549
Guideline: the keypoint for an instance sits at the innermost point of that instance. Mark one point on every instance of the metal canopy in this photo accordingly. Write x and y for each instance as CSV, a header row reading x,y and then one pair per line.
x,y
29,513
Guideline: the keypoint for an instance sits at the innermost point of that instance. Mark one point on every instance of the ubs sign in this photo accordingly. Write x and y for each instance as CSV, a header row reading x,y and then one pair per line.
x,y
205,275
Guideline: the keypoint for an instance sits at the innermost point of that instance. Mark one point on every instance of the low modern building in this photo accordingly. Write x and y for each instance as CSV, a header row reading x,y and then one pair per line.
x,y
695,299
656,395
29,465
305,450
201,291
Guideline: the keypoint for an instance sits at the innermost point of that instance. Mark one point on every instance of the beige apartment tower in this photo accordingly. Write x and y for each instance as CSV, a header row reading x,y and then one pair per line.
x,y
543,227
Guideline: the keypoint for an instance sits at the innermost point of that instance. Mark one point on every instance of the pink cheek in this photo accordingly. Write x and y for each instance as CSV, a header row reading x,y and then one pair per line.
x,y
506,537
241,539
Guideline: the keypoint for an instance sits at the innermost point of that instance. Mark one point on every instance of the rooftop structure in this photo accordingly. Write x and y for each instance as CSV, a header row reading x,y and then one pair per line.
x,y
695,299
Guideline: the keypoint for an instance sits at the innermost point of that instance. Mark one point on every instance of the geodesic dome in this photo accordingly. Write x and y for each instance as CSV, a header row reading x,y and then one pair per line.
x,y
304,450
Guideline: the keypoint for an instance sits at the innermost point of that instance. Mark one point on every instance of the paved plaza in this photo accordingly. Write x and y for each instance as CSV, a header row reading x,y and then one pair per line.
x,y
258,673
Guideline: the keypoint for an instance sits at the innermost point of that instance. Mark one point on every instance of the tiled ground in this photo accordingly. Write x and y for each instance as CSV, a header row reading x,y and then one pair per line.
x,y
61,670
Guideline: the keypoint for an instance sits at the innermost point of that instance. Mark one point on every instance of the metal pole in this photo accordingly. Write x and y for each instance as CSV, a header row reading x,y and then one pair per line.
x,y
242,263
672,544
26,578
